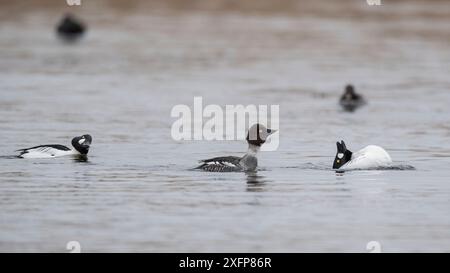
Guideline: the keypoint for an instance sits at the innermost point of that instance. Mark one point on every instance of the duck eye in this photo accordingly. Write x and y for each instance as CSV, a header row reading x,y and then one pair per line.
x,y
338,161
269,131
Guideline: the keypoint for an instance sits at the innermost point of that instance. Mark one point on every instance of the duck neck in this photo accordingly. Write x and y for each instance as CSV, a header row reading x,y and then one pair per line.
x,y
252,150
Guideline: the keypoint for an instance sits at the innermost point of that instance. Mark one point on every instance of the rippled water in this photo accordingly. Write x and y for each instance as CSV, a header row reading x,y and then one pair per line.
x,y
136,192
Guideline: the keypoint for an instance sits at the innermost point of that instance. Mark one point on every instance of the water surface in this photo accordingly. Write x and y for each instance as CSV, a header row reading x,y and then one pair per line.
x,y
136,192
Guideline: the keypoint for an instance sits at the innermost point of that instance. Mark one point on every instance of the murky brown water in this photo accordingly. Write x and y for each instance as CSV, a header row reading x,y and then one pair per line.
x,y
136,192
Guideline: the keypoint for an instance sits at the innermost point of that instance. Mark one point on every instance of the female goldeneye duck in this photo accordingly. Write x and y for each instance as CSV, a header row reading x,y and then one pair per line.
x,y
80,144
370,157
350,100
256,136
70,28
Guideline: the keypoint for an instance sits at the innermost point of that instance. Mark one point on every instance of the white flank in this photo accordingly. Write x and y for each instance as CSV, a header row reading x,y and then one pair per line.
x,y
47,152
369,158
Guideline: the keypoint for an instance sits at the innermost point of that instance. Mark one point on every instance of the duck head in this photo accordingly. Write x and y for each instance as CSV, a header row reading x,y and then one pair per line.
x,y
258,134
82,144
342,156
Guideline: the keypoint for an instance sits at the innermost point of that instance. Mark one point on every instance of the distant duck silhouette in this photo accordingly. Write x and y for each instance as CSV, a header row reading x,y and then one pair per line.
x,y
70,28
350,100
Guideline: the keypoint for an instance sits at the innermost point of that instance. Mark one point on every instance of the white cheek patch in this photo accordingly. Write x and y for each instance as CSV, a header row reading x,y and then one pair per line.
x,y
340,155
81,141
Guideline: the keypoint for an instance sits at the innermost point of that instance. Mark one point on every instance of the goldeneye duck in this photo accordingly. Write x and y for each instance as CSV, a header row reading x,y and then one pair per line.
x,y
350,100
370,157
256,136
80,144
70,28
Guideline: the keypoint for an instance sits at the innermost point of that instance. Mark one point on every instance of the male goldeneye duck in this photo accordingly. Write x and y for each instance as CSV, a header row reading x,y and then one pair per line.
x,y
70,28
80,144
370,157
350,100
256,136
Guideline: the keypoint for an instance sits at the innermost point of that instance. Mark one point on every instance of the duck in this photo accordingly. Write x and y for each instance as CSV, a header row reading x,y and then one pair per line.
x,y
350,100
256,137
70,28
370,157
81,145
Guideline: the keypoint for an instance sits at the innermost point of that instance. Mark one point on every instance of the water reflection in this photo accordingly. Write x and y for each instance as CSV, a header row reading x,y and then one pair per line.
x,y
80,158
255,182
9,157
398,167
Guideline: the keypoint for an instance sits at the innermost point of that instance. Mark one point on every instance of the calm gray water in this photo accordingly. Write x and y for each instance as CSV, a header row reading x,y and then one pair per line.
x,y
136,192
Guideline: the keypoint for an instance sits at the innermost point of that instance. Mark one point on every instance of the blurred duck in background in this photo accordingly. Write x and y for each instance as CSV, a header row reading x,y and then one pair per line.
x,y
70,28
350,100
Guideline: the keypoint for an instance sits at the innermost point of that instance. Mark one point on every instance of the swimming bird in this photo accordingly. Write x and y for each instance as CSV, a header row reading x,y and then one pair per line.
x,y
70,28
370,157
350,100
256,136
80,144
